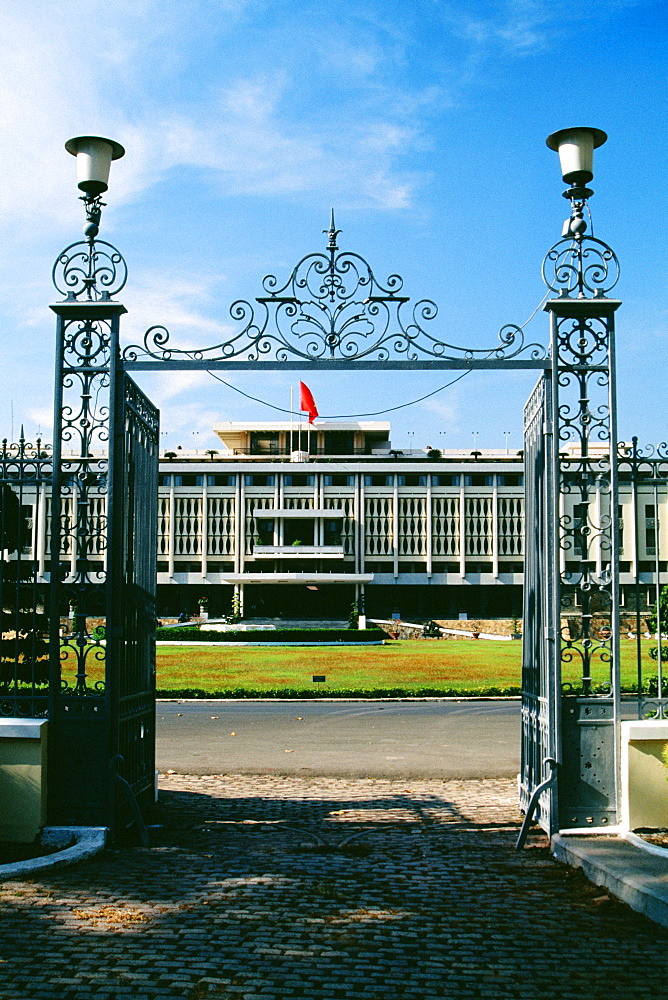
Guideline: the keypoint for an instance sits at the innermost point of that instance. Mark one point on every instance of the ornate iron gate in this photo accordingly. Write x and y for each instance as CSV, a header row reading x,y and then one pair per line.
x,y
331,313
540,647
643,472
131,612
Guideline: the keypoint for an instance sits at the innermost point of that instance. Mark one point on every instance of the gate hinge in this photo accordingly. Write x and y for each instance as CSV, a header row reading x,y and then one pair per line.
x,y
547,427
549,633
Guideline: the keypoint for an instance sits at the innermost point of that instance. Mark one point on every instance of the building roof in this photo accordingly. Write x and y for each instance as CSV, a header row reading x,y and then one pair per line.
x,y
287,425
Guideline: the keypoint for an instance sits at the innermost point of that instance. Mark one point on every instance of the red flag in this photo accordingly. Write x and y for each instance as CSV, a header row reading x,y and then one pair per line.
x,y
307,403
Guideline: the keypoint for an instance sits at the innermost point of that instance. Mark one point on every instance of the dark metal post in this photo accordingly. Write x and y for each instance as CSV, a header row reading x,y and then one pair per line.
x,y
585,414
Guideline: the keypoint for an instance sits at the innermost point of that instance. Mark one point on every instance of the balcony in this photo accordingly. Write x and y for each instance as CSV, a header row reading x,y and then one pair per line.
x,y
303,513
298,551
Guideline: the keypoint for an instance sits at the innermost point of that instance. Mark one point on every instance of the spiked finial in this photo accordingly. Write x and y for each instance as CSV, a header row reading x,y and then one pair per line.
x,y
332,232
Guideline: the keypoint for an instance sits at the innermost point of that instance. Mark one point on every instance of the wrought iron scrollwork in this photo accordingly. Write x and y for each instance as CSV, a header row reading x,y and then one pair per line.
x,y
91,269
644,473
578,266
332,306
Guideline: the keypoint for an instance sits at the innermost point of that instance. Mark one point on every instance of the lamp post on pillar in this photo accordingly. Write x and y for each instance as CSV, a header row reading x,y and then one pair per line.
x,y
92,549
582,271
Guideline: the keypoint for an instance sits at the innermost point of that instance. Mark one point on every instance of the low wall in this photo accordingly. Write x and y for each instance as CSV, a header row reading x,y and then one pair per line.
x,y
644,784
22,779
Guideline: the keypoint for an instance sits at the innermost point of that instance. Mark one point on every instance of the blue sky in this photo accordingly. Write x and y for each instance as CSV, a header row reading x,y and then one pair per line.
x,y
423,123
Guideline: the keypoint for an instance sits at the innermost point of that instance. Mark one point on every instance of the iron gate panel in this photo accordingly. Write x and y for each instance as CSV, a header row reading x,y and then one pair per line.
x,y
131,615
540,659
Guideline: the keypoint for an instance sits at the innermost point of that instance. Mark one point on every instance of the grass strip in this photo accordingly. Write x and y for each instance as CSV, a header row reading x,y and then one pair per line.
x,y
400,669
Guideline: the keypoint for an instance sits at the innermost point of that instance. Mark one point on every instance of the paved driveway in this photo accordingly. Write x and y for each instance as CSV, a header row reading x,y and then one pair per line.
x,y
275,888
438,739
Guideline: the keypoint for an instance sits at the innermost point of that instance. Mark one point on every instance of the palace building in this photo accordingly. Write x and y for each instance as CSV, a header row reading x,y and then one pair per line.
x,y
283,522
300,523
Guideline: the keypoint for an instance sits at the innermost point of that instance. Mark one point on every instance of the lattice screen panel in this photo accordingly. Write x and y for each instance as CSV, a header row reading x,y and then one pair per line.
x,y
188,526
378,526
66,525
511,526
445,526
478,526
97,524
412,526
163,526
298,503
220,526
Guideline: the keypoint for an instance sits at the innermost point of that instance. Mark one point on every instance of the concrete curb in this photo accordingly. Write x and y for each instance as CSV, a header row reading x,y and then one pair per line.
x,y
632,874
334,701
76,842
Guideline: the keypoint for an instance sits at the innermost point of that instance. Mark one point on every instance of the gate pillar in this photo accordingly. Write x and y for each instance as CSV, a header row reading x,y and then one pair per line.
x,y
571,682
586,569
102,554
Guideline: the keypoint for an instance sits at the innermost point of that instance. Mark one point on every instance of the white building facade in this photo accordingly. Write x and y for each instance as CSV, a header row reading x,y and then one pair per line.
x,y
299,523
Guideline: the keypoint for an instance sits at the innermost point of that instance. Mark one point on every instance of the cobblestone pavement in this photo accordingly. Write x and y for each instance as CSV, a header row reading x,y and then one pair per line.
x,y
267,888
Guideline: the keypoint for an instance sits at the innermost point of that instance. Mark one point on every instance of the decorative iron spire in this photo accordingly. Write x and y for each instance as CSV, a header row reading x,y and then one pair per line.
x,y
332,232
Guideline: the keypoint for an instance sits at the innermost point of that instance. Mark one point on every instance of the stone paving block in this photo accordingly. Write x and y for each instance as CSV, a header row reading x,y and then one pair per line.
x,y
255,889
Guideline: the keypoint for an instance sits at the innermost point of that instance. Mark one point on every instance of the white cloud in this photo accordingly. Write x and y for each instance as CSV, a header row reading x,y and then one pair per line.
x,y
521,27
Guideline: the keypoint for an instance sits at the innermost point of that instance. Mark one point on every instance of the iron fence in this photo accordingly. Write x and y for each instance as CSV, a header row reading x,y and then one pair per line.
x,y
25,477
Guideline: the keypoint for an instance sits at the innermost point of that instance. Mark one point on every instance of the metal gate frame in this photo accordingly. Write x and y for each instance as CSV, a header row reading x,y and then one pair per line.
x,y
331,313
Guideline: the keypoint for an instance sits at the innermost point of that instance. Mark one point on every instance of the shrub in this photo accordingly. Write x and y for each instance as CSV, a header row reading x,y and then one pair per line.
x,y
267,635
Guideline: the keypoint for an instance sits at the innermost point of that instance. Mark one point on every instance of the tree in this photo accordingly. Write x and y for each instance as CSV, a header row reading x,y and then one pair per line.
x,y
652,623
211,452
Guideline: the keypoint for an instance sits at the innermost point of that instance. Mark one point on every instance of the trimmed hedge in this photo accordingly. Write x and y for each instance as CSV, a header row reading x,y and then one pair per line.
x,y
354,693
270,635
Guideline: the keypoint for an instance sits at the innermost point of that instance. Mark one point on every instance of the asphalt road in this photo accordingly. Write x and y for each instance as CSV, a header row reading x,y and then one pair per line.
x,y
438,739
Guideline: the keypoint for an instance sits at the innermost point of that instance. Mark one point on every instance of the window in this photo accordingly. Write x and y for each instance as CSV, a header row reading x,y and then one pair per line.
x,y
264,443
338,480
514,479
379,480
650,529
264,531
332,532
478,479
298,479
452,479
409,480
339,442
298,532
258,480
221,480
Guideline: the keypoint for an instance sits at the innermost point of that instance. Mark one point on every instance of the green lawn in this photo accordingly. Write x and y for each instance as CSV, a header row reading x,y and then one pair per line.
x,y
416,666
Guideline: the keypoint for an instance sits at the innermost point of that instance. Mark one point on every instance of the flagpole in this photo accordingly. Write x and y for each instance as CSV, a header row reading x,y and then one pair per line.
x,y
292,420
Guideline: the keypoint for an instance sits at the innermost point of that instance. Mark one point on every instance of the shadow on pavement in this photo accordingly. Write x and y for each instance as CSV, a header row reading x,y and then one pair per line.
x,y
326,888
